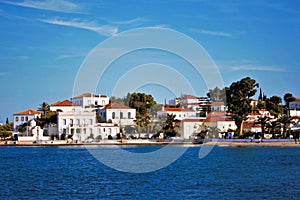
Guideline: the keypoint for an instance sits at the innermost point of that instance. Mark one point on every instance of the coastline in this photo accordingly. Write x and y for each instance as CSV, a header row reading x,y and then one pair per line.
x,y
244,143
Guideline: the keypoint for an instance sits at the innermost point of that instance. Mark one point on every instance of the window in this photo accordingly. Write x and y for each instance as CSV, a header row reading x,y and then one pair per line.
x,y
26,118
22,119
104,130
71,121
17,119
121,115
109,130
91,130
91,121
78,121
113,115
64,121
129,115
103,102
96,103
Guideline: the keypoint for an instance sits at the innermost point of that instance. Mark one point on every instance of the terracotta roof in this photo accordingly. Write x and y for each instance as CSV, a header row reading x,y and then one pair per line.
x,y
189,97
168,109
296,100
64,103
89,95
218,114
29,112
116,106
193,120
217,103
216,119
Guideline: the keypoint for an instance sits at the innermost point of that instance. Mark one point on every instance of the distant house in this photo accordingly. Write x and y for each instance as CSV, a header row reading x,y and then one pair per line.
x,y
190,127
118,114
89,100
192,102
180,113
295,107
64,106
218,106
24,117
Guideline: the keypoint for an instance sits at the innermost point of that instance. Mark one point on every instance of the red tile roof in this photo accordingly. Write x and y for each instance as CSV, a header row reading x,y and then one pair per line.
x,y
296,100
64,103
168,109
116,106
216,119
29,112
89,95
217,103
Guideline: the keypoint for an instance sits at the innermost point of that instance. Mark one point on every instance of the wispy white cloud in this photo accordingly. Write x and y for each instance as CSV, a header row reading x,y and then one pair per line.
x,y
257,68
131,21
213,33
105,30
53,5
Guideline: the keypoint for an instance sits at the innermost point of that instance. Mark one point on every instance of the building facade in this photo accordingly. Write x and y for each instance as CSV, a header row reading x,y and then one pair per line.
x,y
118,114
24,117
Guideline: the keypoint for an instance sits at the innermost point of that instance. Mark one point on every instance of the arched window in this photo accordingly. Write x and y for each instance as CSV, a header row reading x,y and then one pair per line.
x,y
113,115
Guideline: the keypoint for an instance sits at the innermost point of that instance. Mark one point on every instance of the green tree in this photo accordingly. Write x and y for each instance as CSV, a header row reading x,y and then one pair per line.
x,y
263,121
50,117
239,100
44,107
170,126
141,102
285,120
142,121
273,105
217,94
274,128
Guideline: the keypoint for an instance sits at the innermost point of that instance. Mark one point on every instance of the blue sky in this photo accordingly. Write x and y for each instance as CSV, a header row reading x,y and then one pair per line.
x,y
43,43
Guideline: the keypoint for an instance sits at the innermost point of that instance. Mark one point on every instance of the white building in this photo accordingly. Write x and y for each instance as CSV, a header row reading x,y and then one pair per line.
x,y
24,117
192,102
118,114
78,124
32,133
65,106
181,113
89,100
218,106
295,108
190,128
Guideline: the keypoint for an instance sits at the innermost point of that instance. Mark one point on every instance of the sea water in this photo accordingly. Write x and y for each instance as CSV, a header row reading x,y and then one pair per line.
x,y
225,173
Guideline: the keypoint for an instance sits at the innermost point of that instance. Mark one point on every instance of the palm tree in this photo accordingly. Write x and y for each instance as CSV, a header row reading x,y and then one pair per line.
x,y
263,121
169,125
285,120
44,107
142,121
274,127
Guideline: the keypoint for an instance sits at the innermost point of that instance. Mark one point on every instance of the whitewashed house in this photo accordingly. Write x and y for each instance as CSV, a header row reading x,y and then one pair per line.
x,y
189,128
89,100
295,108
118,114
32,133
181,113
218,106
65,106
24,117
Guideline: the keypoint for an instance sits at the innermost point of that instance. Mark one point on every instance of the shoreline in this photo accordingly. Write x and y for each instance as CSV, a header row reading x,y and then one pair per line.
x,y
152,143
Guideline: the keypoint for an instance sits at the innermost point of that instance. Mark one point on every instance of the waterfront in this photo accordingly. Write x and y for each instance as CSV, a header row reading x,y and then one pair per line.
x,y
251,172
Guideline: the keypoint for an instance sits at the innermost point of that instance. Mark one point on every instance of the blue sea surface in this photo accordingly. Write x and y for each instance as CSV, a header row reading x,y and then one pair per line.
x,y
226,173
